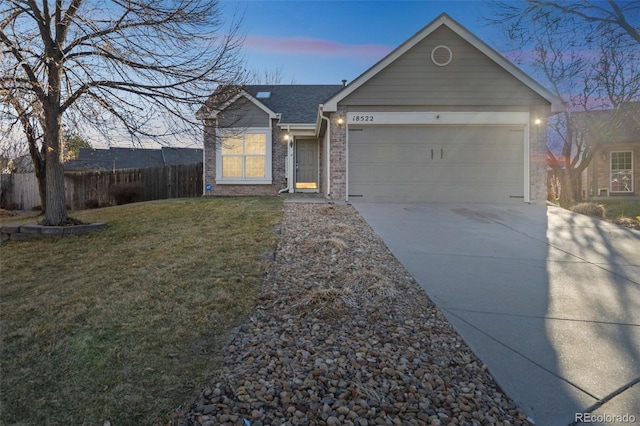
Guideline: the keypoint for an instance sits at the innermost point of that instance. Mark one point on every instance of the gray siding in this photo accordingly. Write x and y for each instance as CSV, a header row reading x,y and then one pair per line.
x,y
243,113
470,79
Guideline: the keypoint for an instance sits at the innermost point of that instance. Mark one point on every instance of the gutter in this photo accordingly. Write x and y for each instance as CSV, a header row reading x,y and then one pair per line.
x,y
288,163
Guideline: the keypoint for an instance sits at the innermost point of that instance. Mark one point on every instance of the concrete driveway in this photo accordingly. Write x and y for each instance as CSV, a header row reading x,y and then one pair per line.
x,y
548,299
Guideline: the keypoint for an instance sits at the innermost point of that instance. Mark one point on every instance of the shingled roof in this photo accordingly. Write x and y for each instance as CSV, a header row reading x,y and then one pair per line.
x,y
612,126
297,103
132,158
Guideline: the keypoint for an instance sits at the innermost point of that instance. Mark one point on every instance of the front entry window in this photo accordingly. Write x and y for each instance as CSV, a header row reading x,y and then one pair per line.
x,y
622,171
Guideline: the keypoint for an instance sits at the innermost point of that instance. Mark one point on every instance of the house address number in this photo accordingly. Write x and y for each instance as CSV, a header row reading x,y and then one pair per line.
x,y
361,118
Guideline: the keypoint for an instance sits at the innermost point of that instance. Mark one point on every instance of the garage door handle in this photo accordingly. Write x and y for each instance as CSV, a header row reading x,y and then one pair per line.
x,y
441,153
432,153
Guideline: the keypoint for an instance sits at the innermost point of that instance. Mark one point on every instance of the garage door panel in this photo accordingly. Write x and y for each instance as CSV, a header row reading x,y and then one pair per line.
x,y
437,163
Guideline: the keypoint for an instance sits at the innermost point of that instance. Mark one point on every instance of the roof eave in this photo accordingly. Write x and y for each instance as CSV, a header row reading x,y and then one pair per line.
x,y
299,126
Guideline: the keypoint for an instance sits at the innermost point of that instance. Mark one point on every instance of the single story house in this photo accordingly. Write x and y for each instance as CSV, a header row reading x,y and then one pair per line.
x,y
443,117
616,134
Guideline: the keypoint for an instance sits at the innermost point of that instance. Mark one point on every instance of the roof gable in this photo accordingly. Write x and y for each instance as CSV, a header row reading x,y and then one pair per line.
x,y
292,104
446,21
208,112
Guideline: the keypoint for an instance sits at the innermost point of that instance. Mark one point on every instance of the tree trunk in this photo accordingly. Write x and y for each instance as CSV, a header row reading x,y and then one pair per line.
x,y
56,213
41,175
39,165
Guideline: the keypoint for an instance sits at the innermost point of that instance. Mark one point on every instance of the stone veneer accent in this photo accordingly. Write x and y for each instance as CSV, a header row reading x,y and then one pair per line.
x,y
278,158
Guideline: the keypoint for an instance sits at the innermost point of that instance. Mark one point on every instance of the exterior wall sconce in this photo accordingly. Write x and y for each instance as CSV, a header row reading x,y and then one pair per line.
x,y
340,121
537,121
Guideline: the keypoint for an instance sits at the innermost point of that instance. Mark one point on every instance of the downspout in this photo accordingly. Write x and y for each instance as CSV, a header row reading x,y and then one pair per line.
x,y
288,165
328,132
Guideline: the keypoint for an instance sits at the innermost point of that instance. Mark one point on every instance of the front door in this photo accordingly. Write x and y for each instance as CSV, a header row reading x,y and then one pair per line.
x,y
307,165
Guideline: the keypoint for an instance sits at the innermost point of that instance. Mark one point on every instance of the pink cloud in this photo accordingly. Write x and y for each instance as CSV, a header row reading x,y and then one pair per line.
x,y
304,45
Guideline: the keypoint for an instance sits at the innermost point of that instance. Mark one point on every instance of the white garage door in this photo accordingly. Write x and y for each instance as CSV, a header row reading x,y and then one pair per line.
x,y
436,163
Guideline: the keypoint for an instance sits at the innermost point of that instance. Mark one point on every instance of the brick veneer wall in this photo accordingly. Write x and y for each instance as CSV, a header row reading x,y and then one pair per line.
x,y
538,154
278,158
338,155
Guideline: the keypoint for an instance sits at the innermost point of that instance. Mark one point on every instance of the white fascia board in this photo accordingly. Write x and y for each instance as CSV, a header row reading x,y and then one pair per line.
x,y
437,118
299,129
556,104
214,114
297,126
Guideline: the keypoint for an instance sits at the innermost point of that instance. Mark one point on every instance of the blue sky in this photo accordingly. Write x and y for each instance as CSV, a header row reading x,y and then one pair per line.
x,y
315,42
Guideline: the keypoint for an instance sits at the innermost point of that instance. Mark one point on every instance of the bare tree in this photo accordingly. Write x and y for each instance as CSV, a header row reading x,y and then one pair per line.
x,y
269,76
135,67
588,53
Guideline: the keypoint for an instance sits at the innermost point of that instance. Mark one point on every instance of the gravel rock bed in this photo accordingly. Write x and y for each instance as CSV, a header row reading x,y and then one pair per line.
x,y
343,335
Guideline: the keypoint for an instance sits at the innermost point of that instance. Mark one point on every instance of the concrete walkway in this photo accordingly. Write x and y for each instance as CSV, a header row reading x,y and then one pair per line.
x,y
548,299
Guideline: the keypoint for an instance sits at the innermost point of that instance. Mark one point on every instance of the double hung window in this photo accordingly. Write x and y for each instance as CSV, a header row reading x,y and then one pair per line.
x,y
621,171
244,158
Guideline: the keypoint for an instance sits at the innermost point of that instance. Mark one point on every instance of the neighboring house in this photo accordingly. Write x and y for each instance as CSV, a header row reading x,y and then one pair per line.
x,y
131,158
614,168
443,117
22,164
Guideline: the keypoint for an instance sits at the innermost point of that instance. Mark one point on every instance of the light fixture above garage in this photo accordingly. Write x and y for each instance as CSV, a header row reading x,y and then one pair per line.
x,y
441,55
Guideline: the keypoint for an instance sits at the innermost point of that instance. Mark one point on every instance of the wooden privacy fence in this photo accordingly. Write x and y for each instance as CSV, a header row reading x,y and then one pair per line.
x,y
93,188
19,190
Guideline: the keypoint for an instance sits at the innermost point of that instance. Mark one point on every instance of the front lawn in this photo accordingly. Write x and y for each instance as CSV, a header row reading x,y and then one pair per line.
x,y
621,208
123,324
624,212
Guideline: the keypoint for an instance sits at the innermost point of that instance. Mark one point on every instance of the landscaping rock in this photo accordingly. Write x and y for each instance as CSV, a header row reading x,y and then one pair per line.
x,y
343,335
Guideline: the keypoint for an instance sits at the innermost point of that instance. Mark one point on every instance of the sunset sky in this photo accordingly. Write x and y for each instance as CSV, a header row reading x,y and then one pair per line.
x,y
315,42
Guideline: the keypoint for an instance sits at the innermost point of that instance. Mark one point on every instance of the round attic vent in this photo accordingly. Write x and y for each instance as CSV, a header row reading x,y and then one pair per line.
x,y
441,55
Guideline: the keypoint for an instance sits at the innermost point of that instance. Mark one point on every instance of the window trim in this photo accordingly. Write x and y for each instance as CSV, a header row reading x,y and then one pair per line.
x,y
267,179
611,190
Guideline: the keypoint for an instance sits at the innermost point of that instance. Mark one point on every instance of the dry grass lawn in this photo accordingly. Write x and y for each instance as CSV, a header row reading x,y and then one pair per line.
x,y
123,324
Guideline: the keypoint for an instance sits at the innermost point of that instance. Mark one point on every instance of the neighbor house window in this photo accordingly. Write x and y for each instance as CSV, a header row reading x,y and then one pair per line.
x,y
244,158
622,171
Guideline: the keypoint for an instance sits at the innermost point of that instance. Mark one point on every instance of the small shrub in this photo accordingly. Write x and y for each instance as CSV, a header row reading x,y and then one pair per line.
x,y
36,208
91,204
11,206
590,209
126,193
